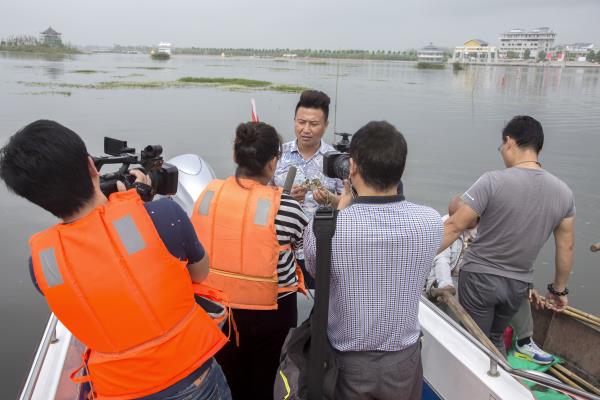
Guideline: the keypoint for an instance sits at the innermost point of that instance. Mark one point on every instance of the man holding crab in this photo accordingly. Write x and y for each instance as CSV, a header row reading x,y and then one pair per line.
x,y
311,187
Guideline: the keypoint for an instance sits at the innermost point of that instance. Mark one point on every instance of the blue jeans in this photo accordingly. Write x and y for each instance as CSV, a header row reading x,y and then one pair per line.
x,y
212,387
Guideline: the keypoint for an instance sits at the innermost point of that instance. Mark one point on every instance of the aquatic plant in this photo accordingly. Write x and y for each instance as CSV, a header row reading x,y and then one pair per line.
x,y
86,71
225,81
287,88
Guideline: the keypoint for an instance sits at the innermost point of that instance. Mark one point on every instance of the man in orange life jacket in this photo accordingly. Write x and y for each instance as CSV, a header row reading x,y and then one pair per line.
x,y
114,273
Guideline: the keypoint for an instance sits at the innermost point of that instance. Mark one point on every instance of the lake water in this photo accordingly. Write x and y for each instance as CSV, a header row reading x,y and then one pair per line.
x,y
451,120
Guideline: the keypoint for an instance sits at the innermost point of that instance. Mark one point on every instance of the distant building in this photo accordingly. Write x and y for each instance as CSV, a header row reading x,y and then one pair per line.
x,y
431,54
475,51
517,41
51,38
578,51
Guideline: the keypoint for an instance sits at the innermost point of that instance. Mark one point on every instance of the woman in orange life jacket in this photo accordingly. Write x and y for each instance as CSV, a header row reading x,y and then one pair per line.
x,y
116,273
250,231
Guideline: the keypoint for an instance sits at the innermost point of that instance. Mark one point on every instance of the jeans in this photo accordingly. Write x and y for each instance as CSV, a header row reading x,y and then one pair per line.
x,y
212,387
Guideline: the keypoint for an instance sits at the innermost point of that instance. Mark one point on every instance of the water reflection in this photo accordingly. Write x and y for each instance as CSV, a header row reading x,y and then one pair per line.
x,y
55,67
528,81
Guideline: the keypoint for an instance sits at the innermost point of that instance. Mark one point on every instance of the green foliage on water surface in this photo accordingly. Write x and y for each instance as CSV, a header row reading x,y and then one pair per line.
x,y
49,93
87,71
427,65
225,81
287,88
31,44
142,67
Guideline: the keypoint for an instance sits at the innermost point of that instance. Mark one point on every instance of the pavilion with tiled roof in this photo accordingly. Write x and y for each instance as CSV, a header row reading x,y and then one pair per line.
x,y
51,38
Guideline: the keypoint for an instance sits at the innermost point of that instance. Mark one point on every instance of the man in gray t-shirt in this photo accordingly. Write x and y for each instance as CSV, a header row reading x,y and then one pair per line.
x,y
519,207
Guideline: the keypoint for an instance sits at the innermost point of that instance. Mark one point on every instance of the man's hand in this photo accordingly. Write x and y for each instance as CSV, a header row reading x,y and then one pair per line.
x,y
556,303
345,199
298,192
435,292
538,301
324,196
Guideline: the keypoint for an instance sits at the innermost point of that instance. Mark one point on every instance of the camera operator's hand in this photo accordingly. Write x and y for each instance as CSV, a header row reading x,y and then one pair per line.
x,y
141,177
298,192
142,184
345,199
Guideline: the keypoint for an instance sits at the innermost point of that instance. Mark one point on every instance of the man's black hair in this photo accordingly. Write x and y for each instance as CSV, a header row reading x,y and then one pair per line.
x,y
379,151
47,164
314,99
526,131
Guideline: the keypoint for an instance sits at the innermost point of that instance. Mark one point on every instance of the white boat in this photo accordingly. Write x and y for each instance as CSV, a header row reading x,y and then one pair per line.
x,y
456,366
162,52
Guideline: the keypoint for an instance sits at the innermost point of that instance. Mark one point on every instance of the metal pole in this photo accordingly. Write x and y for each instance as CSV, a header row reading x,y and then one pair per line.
x,y
48,338
493,371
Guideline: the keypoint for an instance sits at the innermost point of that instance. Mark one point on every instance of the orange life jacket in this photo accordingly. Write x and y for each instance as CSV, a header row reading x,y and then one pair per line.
x,y
111,281
236,225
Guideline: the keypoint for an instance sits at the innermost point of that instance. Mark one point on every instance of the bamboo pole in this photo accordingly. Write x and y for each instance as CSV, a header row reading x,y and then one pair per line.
x,y
468,322
563,378
581,318
587,386
583,313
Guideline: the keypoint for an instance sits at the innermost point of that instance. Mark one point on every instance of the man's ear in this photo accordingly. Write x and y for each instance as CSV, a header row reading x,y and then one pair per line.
x,y
92,168
353,168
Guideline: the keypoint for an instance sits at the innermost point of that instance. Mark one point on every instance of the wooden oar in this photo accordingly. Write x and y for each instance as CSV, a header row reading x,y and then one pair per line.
x,y
587,386
468,322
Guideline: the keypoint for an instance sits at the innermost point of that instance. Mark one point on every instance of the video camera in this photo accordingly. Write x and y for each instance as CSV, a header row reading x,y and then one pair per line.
x,y
336,164
164,176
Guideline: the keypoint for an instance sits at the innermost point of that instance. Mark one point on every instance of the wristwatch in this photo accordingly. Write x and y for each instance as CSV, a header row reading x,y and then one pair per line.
x,y
557,293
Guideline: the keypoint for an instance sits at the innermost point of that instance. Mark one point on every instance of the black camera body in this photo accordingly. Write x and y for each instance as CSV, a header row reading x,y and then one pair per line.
x,y
164,176
336,164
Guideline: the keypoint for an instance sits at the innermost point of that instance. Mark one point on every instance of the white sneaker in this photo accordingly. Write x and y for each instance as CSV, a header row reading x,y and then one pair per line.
x,y
532,352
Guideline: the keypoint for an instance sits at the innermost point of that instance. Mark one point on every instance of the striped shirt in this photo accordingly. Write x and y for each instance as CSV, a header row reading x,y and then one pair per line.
x,y
382,252
290,222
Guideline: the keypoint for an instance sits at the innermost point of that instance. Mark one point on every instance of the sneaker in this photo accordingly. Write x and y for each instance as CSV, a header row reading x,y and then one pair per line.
x,y
532,352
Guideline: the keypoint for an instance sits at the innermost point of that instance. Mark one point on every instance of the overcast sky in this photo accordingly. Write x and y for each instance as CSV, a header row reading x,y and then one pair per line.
x,y
317,24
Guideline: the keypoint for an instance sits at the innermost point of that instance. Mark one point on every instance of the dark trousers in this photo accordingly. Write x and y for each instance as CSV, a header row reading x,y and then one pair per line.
x,y
380,375
491,301
309,281
251,368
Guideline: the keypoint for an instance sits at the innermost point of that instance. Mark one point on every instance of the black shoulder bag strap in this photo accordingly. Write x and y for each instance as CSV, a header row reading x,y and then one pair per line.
x,y
324,228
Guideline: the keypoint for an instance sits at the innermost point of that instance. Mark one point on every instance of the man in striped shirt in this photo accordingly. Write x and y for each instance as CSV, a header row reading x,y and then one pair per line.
x,y
382,252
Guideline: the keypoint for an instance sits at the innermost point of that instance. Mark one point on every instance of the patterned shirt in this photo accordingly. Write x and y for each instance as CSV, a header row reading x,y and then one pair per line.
x,y
307,169
382,252
290,221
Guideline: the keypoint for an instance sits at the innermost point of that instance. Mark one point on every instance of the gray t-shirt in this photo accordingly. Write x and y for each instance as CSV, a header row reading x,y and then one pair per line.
x,y
519,209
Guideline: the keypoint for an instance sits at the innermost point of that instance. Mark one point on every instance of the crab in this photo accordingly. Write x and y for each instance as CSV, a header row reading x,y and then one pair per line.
x,y
312,184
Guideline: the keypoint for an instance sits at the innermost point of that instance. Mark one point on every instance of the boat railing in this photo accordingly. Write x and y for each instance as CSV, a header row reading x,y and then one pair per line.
x,y
496,361
48,338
